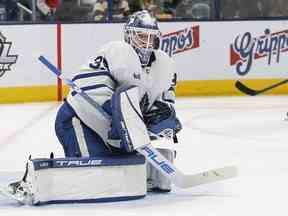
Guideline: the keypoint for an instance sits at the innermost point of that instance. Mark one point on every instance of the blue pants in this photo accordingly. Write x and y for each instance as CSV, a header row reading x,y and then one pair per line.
x,y
76,138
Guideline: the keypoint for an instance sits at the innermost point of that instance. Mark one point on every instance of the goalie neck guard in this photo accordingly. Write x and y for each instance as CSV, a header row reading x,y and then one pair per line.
x,y
141,31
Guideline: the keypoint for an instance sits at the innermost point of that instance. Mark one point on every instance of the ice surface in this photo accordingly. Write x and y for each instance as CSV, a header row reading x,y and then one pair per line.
x,y
217,131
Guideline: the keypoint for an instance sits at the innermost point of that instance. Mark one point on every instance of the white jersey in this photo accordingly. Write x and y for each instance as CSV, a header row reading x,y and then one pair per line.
x,y
117,64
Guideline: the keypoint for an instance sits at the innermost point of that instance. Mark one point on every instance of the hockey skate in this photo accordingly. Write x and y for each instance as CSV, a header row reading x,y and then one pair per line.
x,y
19,191
152,187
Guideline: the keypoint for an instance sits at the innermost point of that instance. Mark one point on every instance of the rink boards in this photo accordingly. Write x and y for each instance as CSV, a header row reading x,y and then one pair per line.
x,y
209,56
184,88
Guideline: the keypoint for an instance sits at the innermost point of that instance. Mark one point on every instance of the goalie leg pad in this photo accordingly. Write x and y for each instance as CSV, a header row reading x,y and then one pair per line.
x,y
127,119
86,180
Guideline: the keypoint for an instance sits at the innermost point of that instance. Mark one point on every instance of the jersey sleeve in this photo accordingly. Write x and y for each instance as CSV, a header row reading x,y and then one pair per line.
x,y
102,74
169,95
95,79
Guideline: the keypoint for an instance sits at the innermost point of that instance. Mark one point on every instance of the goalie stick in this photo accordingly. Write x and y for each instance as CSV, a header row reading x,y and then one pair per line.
x,y
243,88
151,154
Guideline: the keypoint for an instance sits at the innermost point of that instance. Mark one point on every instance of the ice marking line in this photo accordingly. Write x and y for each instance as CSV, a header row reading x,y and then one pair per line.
x,y
31,123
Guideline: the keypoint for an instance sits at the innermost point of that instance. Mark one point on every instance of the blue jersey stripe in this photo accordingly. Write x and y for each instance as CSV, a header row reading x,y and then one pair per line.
x,y
92,87
169,100
94,74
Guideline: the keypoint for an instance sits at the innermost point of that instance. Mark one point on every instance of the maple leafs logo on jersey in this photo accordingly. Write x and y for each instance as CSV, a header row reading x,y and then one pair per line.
x,y
6,60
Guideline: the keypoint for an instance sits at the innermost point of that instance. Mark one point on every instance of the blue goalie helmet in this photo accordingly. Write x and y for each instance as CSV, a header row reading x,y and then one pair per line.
x,y
141,31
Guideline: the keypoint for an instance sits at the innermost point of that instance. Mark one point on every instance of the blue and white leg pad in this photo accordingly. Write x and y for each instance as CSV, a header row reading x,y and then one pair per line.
x,y
84,180
127,119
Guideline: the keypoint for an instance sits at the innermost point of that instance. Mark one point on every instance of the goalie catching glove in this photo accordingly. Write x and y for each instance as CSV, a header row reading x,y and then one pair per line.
x,y
161,119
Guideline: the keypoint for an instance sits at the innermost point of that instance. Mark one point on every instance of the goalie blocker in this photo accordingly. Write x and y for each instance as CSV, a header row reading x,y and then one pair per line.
x,y
84,180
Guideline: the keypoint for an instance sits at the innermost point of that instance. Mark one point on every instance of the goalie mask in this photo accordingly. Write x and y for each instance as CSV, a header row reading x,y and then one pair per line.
x,y
142,32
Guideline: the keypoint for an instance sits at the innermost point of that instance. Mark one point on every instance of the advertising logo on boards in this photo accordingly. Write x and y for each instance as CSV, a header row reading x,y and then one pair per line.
x,y
181,41
6,60
246,49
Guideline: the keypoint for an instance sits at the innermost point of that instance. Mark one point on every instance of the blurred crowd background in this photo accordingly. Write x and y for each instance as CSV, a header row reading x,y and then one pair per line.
x,y
118,10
